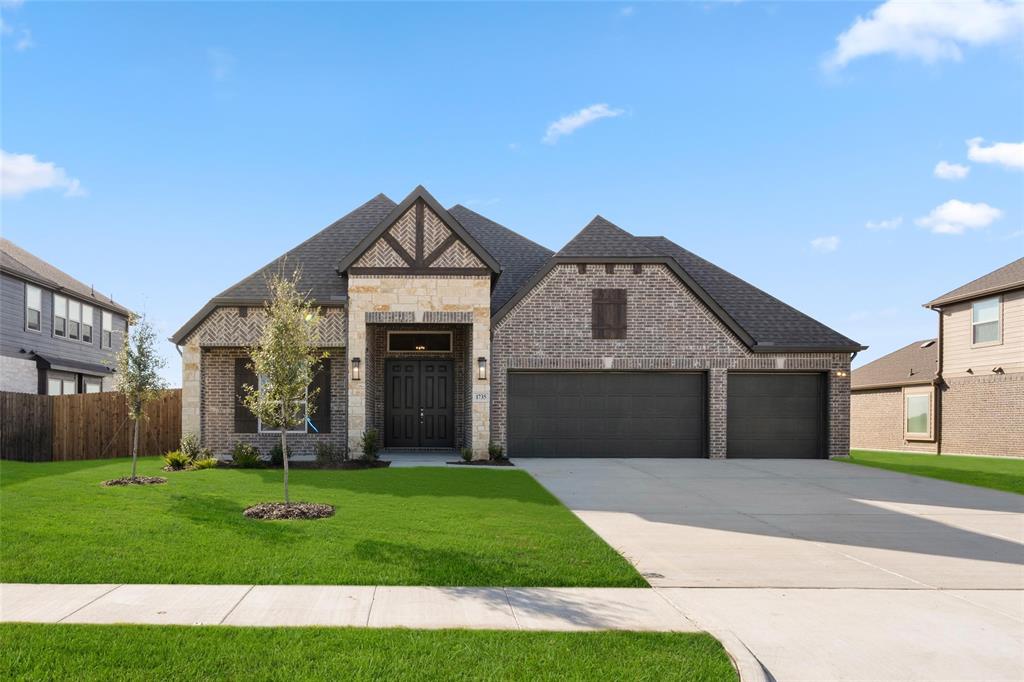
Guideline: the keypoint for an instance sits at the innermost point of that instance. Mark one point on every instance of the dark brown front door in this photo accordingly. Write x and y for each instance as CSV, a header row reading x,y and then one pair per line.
x,y
419,410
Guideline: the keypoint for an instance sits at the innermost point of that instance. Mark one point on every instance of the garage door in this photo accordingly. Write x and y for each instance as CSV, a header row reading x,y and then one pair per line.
x,y
776,415
606,414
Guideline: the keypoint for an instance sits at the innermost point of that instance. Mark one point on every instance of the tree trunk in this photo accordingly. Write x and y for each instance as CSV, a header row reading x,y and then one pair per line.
x,y
284,451
135,447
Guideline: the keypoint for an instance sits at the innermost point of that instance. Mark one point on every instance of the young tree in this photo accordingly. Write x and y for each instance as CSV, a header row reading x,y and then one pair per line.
x,y
285,359
138,374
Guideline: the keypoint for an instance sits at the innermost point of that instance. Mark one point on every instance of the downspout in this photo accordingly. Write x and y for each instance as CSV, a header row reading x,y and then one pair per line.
x,y
937,387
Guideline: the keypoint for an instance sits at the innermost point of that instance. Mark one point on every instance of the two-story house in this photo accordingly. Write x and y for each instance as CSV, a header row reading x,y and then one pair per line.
x,y
961,392
57,334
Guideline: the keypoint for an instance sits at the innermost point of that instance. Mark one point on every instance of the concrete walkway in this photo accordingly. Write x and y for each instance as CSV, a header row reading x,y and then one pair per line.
x,y
825,570
359,606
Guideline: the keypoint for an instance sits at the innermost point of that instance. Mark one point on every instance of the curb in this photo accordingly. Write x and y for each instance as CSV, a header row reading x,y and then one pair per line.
x,y
747,665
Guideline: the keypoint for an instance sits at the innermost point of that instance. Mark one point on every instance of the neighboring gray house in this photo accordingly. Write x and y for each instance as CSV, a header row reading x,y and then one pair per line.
x,y
961,392
57,335
448,330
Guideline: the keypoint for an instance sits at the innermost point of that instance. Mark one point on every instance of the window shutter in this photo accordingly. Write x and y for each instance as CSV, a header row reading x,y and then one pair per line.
x,y
245,420
322,379
608,317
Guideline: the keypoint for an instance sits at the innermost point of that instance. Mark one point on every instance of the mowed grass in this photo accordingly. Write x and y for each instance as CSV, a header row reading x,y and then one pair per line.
x,y
408,526
140,652
988,472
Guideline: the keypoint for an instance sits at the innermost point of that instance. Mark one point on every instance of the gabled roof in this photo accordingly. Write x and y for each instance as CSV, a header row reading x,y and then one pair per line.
x,y
519,257
1006,278
772,324
603,239
20,263
914,364
418,194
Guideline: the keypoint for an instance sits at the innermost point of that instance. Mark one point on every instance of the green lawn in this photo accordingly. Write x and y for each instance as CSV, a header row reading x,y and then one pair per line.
x,y
409,526
988,472
140,652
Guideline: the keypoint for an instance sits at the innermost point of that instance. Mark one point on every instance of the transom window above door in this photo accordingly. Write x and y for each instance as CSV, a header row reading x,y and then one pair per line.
x,y
420,342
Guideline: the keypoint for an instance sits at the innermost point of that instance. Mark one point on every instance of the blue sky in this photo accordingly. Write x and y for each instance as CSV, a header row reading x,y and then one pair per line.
x,y
162,151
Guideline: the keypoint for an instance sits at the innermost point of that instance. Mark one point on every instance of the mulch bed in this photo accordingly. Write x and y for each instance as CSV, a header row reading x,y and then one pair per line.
x,y
295,510
347,464
138,480
484,463
167,468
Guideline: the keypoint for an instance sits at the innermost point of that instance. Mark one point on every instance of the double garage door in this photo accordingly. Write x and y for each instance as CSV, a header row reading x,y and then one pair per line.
x,y
661,414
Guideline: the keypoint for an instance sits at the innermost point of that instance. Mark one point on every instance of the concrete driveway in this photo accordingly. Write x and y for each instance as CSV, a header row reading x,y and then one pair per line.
x,y
825,570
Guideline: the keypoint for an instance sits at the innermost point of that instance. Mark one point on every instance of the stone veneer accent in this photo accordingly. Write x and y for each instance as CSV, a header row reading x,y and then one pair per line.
x,y
420,294
668,328
218,401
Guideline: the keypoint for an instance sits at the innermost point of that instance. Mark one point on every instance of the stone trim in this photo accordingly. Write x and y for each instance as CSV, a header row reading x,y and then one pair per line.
x,y
390,317
446,317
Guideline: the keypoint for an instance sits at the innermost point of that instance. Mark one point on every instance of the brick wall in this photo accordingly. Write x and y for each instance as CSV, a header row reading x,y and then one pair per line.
x,y
984,415
667,328
218,401
18,375
876,422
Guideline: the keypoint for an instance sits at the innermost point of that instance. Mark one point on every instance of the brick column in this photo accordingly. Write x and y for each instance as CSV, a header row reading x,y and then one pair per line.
x,y
191,390
717,417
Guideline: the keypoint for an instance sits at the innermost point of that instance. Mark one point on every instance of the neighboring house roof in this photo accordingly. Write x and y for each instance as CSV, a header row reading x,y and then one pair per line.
x,y
69,365
20,263
762,322
1006,278
915,363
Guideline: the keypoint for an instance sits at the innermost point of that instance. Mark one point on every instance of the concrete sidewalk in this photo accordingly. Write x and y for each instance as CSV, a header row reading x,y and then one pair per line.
x,y
360,606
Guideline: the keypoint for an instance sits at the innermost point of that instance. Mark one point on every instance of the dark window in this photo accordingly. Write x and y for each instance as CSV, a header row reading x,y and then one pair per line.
x,y
609,268
608,314
33,307
243,311
581,268
420,342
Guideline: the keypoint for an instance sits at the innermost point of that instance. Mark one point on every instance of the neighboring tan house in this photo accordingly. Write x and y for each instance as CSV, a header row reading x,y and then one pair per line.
x,y
448,330
58,335
959,393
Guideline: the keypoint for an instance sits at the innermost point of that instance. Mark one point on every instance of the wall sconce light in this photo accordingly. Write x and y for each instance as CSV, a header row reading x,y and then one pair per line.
x,y
355,369
841,373
481,372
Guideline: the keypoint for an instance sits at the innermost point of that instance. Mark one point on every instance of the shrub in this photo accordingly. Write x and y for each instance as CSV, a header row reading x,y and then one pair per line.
x,y
206,463
176,460
276,456
370,444
467,454
329,453
496,451
245,456
190,446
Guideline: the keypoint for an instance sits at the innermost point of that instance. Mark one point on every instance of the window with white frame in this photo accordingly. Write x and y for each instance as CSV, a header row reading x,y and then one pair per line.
x,y
107,329
301,426
918,414
87,321
985,321
74,319
92,384
60,315
33,308
59,383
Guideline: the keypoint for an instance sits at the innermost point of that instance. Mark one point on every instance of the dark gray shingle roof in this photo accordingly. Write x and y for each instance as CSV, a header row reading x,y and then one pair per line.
x,y
913,364
20,262
603,239
519,257
1008,277
767,319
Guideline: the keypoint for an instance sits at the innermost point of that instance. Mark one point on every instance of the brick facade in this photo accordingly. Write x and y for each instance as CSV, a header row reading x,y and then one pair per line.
x,y
218,402
667,328
984,415
878,422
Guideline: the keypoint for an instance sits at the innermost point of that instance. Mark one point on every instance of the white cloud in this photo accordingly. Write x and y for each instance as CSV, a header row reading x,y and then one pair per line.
x,y
627,11
928,30
825,244
24,41
222,63
567,125
23,173
886,224
951,171
956,217
1009,154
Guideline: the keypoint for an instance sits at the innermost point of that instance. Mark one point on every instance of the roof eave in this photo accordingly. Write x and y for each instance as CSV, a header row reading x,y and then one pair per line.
x,y
807,348
991,291
891,384
50,284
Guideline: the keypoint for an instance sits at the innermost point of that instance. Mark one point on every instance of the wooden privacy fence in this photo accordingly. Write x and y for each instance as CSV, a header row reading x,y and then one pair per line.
x,y
38,428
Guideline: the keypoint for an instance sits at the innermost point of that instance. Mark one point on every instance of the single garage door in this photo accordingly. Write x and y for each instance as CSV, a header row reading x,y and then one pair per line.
x,y
606,414
776,415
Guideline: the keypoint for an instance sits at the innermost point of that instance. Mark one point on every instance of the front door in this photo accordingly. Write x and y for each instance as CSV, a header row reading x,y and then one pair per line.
x,y
418,407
